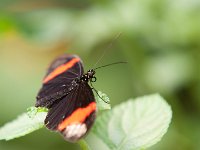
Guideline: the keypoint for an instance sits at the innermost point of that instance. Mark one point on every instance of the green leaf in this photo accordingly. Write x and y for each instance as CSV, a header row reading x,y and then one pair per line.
x,y
32,111
22,125
135,124
34,120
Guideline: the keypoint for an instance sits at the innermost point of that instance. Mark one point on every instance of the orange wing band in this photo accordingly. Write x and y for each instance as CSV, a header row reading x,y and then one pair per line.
x,y
61,69
78,116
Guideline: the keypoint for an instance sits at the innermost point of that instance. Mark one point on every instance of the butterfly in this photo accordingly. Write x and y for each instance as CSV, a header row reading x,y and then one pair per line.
x,y
69,97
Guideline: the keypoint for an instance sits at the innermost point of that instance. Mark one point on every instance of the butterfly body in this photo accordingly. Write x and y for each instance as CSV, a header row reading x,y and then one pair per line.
x,y
69,98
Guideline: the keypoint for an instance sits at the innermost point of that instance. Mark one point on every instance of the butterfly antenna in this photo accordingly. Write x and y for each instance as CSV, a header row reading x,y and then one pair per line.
x,y
115,63
98,93
109,46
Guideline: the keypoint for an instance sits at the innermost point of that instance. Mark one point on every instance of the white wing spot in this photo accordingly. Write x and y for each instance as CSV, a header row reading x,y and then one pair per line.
x,y
74,132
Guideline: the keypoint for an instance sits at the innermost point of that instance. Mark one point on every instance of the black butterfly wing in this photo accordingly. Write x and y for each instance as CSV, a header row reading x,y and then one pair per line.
x,y
74,114
58,79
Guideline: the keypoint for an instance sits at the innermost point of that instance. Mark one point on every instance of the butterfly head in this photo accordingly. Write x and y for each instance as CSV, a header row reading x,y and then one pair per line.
x,y
89,76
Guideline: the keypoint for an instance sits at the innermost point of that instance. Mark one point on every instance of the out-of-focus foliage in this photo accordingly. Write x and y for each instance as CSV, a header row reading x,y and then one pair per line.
x,y
160,41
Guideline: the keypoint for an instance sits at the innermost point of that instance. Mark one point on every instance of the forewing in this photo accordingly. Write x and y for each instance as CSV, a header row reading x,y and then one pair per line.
x,y
77,110
58,79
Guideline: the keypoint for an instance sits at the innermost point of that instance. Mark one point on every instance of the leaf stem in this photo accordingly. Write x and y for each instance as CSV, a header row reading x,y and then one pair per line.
x,y
83,145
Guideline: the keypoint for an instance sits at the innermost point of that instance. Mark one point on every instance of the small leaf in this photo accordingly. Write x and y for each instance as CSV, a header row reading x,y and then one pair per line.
x,y
103,101
42,109
32,111
135,124
22,125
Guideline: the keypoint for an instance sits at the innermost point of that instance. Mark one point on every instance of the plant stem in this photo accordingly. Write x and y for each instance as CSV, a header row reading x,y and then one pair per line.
x,y
83,144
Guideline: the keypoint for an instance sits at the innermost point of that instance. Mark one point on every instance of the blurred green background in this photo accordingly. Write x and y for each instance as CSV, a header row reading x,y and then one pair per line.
x,y
160,40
